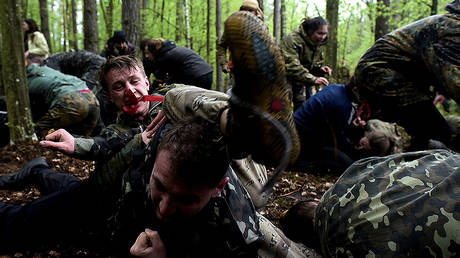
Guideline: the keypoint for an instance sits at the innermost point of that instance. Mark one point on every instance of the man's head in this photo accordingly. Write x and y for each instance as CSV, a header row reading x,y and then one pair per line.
x,y
374,143
120,44
151,47
189,169
317,29
124,81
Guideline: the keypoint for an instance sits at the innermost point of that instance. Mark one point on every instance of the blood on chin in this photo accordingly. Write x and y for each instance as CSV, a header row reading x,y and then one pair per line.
x,y
131,109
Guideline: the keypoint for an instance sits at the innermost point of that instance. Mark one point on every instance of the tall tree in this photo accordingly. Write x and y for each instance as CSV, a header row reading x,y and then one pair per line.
x,y
143,18
381,21
74,24
276,20
332,14
107,14
162,15
179,20
14,73
91,41
130,12
208,32
187,25
434,7
283,19
64,23
219,73
44,23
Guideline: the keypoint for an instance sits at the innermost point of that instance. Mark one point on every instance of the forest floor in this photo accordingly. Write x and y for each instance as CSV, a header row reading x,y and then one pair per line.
x,y
293,187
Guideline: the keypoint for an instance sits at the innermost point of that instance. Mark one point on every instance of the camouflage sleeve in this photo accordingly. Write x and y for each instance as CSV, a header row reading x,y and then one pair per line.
x,y
294,69
222,51
102,147
443,57
190,100
276,244
108,175
400,205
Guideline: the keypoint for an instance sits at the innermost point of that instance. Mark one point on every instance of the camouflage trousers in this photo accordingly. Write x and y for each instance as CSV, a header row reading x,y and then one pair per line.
x,y
77,112
400,205
183,101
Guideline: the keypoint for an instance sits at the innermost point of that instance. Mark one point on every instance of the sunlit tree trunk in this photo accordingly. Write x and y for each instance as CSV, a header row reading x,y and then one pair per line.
x,y
219,73
276,20
187,24
130,12
261,5
332,14
14,73
44,24
90,26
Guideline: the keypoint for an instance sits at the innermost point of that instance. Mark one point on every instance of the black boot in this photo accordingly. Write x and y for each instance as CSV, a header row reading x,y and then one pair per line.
x,y
17,179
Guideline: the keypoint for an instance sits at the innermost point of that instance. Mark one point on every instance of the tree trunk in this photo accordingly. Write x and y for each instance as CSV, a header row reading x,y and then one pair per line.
x,y
332,14
45,28
74,25
434,7
187,25
14,73
143,19
179,19
276,20
381,21
219,73
107,14
64,23
130,12
162,18
283,19
90,26
208,32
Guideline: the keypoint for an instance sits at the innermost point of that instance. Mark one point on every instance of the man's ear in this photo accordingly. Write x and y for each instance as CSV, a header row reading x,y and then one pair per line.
x,y
147,83
220,187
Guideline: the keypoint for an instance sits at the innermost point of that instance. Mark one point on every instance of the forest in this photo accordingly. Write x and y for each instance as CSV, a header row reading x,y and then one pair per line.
x,y
354,25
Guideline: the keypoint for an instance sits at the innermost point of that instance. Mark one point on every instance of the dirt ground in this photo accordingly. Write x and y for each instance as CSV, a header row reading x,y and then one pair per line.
x,y
293,187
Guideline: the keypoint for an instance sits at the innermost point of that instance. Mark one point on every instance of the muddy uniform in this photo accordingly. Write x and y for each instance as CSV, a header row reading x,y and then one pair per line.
x,y
303,62
395,74
399,205
61,101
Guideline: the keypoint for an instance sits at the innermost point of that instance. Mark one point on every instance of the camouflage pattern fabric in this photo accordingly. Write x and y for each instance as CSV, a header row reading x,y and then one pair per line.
x,y
76,112
399,68
397,134
399,205
303,60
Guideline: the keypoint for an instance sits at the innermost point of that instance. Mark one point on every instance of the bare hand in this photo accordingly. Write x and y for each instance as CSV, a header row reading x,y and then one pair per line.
x,y
152,128
326,69
149,245
225,69
322,80
60,140
439,99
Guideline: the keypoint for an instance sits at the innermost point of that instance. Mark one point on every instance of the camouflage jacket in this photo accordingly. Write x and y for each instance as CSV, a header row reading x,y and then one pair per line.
x,y
402,65
227,227
47,86
400,205
303,59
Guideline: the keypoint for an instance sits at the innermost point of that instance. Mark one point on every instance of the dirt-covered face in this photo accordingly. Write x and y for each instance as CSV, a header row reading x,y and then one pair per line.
x,y
126,88
318,36
173,198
